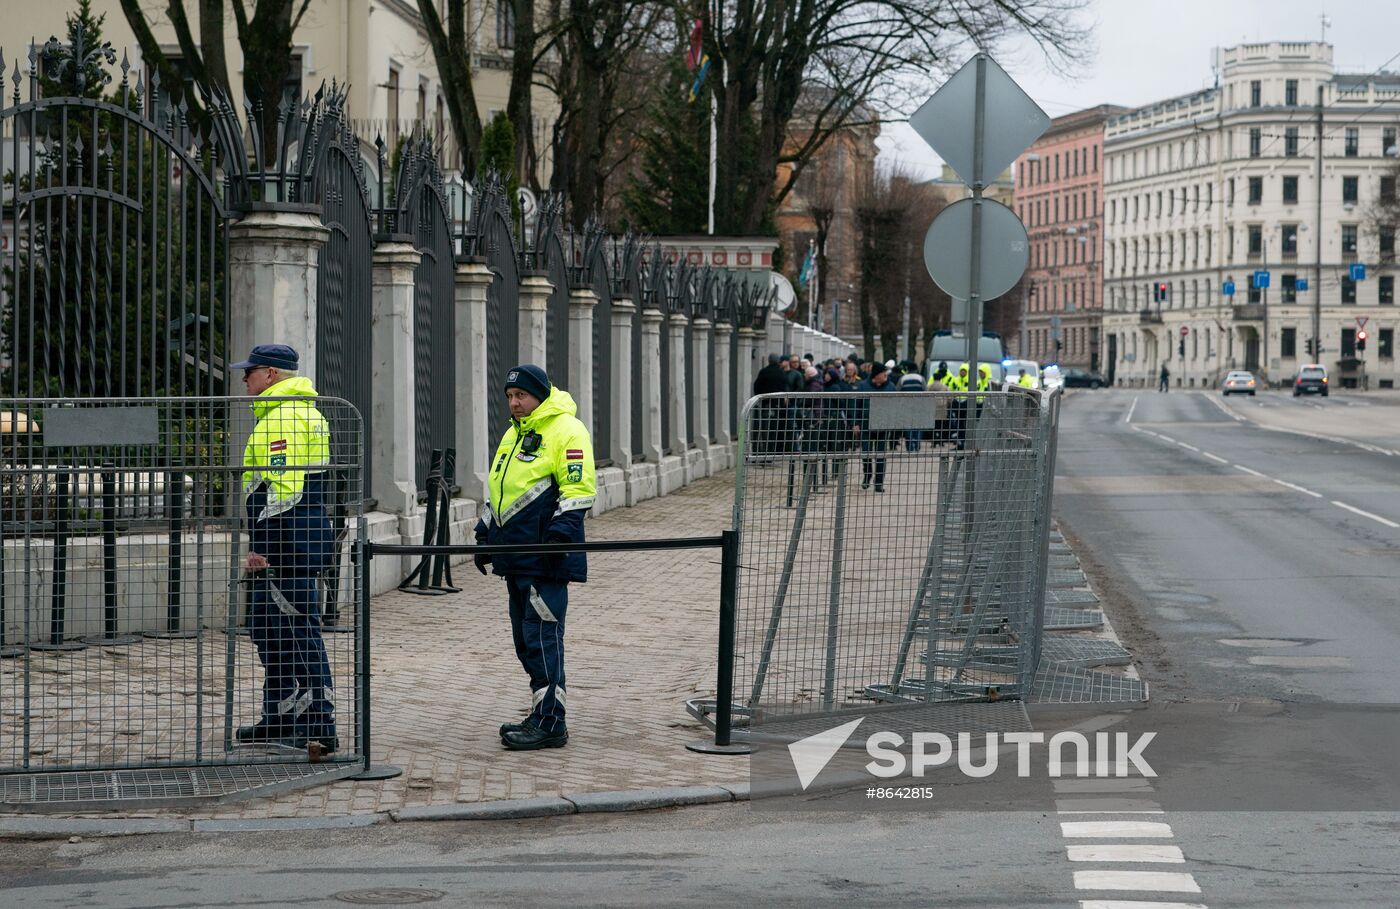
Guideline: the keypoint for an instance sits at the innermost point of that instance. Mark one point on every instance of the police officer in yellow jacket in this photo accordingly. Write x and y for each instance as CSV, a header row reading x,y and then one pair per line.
x,y
289,544
540,486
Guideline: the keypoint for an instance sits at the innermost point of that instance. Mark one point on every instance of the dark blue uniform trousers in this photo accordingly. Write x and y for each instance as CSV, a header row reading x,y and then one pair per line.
x,y
296,673
537,608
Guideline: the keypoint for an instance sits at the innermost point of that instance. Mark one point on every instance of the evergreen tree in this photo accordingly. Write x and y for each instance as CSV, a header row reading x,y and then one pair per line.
x,y
671,193
498,154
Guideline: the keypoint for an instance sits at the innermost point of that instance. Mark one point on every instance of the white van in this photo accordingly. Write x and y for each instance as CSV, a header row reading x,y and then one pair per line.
x,y
951,350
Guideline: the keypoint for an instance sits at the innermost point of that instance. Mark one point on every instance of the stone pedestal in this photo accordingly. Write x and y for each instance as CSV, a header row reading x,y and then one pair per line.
x,y
581,303
643,478
273,260
673,467
534,308
474,444
391,429
699,402
721,446
623,313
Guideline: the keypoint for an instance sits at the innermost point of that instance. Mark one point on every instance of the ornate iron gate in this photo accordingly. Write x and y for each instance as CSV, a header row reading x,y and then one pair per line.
x,y
597,272
344,281
423,206
496,241
116,280
550,244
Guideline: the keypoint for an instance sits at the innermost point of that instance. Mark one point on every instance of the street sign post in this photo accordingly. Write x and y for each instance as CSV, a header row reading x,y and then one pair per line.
x,y
1184,331
1300,285
1261,280
955,123
1358,271
1361,321
1228,288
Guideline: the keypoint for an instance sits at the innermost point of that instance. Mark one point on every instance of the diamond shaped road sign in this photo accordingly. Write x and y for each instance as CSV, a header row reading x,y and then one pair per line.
x,y
1012,121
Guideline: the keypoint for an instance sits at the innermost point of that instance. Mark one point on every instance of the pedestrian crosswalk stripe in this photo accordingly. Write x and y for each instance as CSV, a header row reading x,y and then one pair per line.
x,y
1121,829
1126,852
1135,904
1156,881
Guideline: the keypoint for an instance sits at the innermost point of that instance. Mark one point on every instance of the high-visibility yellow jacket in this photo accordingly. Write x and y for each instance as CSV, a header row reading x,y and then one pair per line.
x,y
541,496
283,477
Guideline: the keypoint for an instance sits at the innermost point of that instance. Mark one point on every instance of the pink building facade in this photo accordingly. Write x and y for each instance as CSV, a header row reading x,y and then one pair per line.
x,y
1059,197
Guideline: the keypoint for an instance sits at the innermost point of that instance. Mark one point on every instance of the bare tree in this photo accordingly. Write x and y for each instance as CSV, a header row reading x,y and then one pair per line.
x,y
859,53
266,39
823,198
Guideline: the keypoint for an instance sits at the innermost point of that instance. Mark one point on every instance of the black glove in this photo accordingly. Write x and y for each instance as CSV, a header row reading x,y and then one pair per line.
x,y
481,562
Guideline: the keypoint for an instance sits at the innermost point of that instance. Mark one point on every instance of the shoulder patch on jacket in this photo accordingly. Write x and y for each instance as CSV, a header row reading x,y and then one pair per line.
x,y
278,445
574,454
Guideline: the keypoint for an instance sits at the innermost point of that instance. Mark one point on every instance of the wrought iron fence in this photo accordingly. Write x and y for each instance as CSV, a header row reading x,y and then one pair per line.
x,y
893,546
496,242
116,282
138,628
555,262
597,264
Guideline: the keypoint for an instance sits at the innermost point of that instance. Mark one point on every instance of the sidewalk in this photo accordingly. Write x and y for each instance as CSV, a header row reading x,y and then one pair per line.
x,y
640,642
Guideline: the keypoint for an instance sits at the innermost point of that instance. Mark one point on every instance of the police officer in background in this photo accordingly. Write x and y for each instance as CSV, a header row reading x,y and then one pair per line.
x,y
289,543
540,486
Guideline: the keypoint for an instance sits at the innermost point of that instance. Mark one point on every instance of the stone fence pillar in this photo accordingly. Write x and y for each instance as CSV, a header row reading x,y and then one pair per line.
x,y
391,424
581,303
273,263
534,308
474,446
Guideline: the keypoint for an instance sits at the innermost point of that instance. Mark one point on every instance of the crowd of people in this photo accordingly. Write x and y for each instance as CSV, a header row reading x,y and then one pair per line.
x,y
818,427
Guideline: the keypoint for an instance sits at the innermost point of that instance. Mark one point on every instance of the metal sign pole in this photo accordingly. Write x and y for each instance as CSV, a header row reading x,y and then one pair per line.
x,y
974,300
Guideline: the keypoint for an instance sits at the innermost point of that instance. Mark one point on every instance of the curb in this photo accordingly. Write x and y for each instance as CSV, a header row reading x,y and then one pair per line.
x,y
42,827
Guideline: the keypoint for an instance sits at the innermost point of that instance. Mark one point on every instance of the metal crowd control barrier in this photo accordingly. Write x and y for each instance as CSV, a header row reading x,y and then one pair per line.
x,y
728,544
894,547
136,639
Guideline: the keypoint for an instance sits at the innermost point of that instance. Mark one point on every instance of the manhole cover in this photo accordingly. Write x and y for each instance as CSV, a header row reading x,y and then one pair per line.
x,y
389,896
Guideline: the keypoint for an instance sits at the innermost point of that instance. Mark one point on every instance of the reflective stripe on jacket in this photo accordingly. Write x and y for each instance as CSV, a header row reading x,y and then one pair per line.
x,y
283,498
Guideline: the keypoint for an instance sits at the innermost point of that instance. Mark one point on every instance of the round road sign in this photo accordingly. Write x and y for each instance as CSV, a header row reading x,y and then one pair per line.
x,y
1185,331
948,250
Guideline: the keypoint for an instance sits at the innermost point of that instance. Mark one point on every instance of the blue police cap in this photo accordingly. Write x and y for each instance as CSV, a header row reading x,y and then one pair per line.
x,y
277,355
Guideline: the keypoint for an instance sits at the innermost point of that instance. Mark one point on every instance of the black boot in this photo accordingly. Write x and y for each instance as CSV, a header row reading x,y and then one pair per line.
x,y
264,730
533,738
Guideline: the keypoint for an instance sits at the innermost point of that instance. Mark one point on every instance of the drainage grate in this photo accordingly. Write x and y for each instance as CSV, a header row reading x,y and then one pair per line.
x,y
390,896
97,790
1070,598
1057,684
1085,653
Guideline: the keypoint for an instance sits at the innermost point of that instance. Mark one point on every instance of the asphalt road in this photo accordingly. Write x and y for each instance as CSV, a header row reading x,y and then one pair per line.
x,y
1247,551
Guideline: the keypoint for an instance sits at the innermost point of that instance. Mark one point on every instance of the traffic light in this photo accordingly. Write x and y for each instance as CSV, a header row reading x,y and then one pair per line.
x,y
1309,345
1181,348
1361,340
1164,290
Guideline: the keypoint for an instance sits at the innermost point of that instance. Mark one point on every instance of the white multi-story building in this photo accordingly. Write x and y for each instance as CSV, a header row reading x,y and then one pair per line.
x,y
1277,169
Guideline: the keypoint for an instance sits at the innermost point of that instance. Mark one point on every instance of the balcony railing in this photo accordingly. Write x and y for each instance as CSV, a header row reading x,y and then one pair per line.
x,y
1247,312
1149,317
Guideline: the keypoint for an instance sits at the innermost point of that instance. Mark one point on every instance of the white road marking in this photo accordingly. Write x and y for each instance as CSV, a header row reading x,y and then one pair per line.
x,y
1364,446
1366,514
1124,852
1250,470
1133,407
1157,881
1225,410
1297,488
1136,904
1079,830
1107,805
1188,447
1215,457
1166,438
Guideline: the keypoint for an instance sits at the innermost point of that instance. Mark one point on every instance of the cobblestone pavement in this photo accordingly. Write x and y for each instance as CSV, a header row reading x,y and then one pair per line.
x,y
640,642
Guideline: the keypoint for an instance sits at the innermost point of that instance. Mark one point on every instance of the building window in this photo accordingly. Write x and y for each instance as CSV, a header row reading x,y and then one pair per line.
x,y
1289,288
1353,142
1288,343
393,108
1290,142
1256,240
1350,190
1348,290
1290,190
1256,190
1388,146
1290,240
1230,191
1385,343
1385,287
1349,240
505,23
1348,342
1290,92
1387,242
422,101
1255,294
1387,189
1255,93
1256,141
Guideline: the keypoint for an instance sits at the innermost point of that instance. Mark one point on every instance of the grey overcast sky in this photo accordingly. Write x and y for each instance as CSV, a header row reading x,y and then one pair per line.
x,y
1148,50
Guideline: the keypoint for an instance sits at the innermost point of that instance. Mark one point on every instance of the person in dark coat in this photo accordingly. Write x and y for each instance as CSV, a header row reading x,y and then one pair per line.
x,y
872,442
772,379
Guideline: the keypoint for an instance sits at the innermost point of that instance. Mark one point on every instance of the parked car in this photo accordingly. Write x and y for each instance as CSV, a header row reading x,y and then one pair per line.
x,y
1081,378
1311,378
1050,377
1238,382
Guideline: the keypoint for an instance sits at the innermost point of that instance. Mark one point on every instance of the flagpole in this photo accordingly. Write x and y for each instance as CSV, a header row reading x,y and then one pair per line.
x,y
714,129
